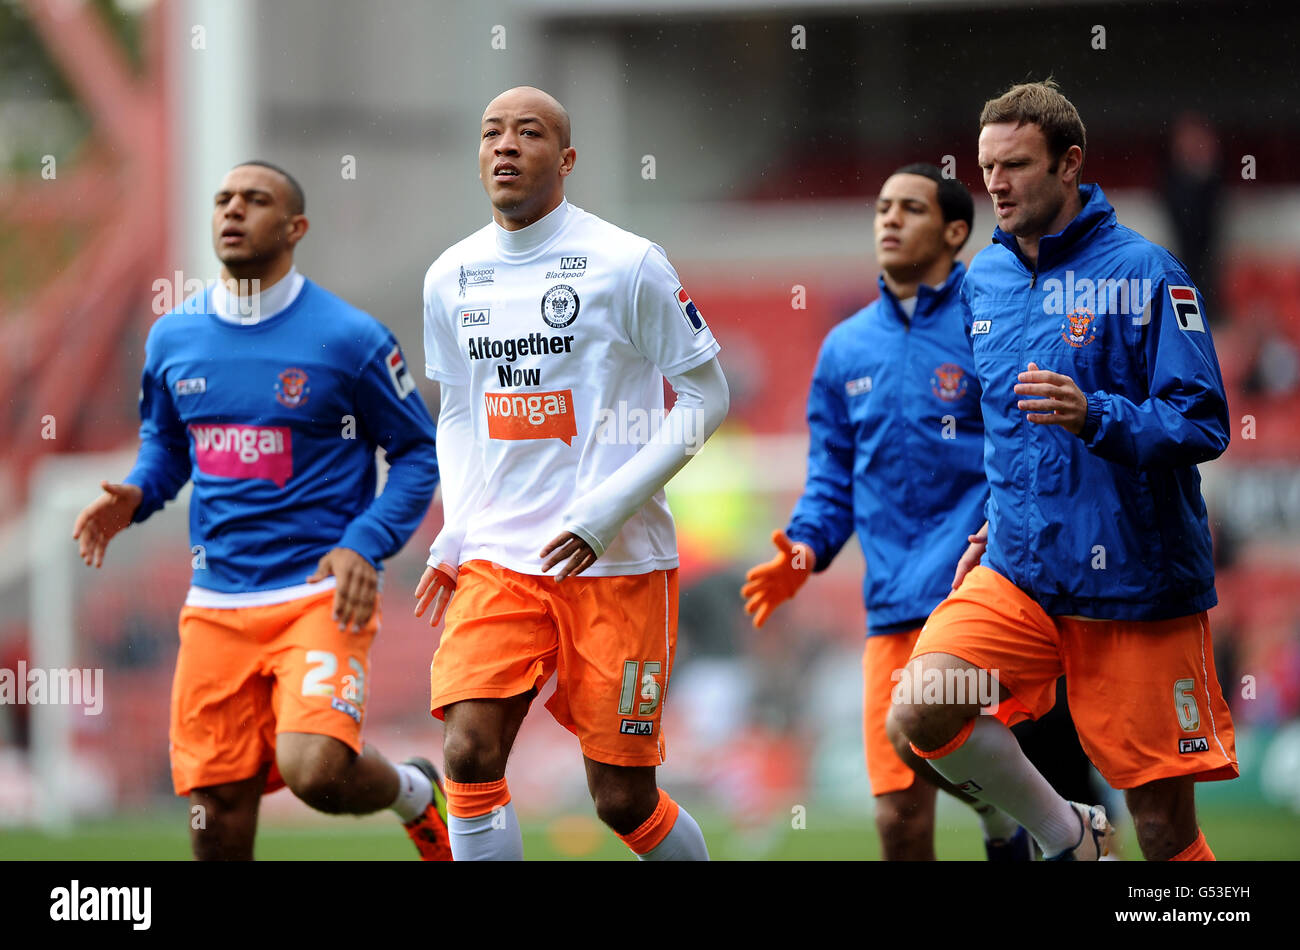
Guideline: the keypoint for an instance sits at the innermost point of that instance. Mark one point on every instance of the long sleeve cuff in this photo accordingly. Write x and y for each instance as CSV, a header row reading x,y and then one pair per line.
x,y
1092,424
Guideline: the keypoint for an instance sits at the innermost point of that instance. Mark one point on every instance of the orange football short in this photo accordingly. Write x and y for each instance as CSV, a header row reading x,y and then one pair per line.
x,y
1144,694
882,655
609,640
883,659
244,674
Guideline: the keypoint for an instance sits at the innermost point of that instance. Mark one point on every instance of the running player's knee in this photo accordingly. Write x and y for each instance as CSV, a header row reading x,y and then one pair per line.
x,y
316,786
897,734
472,756
1159,836
1161,833
622,807
927,725
315,770
1164,816
912,722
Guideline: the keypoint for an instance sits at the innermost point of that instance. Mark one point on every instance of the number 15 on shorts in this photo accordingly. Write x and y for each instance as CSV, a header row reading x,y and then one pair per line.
x,y
635,673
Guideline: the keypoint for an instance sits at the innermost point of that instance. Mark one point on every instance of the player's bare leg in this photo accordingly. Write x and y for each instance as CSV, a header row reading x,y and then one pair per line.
x,y
930,725
999,829
982,757
905,823
1164,815
327,775
477,738
923,769
223,819
478,735
625,796
648,821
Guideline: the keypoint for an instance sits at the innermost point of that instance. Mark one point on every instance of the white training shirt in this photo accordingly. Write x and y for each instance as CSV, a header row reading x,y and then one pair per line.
x,y
562,333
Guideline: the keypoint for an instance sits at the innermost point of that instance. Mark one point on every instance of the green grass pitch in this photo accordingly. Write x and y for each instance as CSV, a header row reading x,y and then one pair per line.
x,y
1234,834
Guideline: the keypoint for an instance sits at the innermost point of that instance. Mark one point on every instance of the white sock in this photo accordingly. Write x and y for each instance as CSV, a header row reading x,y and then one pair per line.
x,y
685,842
996,824
414,793
491,837
991,767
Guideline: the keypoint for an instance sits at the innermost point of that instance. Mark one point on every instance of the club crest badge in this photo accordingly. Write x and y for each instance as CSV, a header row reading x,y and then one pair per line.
x,y
291,389
1079,328
560,306
949,382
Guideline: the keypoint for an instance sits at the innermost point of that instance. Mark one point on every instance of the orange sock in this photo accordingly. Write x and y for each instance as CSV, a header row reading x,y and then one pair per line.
x,y
1198,850
655,828
954,743
471,799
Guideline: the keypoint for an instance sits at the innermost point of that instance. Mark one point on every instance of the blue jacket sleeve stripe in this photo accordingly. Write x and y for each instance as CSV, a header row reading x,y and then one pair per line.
x,y
1184,420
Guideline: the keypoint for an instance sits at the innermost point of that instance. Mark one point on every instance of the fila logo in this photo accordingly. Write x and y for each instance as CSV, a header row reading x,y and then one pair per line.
x,y
191,387
980,326
573,263
1195,744
401,379
970,787
475,318
636,727
343,706
856,387
1186,309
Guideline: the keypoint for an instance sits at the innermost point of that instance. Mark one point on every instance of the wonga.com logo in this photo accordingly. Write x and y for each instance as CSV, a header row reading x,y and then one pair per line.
x,y
235,451
531,416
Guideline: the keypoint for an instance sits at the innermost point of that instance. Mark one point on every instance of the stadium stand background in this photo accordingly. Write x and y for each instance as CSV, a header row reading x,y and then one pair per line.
x,y
754,164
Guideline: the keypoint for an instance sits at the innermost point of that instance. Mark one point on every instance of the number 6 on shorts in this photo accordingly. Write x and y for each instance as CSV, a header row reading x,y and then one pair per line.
x,y
1189,714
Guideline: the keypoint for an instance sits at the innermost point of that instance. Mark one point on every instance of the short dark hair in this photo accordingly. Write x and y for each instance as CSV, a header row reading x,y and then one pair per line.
x,y
297,200
955,201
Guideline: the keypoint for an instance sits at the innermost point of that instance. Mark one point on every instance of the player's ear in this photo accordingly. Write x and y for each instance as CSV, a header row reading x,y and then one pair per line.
x,y
568,157
955,234
296,228
1072,165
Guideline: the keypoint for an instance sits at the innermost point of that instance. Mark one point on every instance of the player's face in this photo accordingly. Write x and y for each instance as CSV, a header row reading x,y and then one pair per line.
x,y
251,223
521,158
909,225
1027,197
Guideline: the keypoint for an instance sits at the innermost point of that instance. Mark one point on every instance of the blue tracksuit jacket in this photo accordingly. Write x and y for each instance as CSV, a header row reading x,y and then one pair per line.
x,y
1110,523
895,451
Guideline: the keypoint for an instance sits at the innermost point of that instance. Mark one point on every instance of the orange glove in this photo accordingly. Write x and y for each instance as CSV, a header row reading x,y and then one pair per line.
x,y
435,589
771,584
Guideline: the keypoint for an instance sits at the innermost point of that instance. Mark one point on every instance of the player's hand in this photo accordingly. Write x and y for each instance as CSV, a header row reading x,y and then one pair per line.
x,y
971,557
435,590
568,546
1062,402
771,584
356,588
103,518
